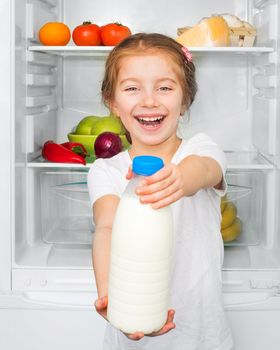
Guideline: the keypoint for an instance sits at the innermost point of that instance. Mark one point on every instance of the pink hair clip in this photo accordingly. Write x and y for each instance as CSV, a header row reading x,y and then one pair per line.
x,y
187,54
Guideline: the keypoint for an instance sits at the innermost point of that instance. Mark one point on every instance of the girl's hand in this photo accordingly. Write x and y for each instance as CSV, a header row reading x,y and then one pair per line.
x,y
164,187
165,329
101,307
168,325
129,174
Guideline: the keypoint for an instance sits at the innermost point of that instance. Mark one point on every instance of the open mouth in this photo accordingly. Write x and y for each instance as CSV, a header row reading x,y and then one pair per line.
x,y
150,121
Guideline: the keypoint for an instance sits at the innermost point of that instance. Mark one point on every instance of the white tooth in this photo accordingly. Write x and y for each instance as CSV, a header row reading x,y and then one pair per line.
x,y
150,118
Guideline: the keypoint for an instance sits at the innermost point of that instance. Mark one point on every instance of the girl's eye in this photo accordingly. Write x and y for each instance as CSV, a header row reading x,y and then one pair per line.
x,y
165,88
131,88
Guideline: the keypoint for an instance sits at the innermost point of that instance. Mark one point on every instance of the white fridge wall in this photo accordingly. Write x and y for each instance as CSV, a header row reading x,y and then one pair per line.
x,y
45,330
6,141
47,327
255,329
31,326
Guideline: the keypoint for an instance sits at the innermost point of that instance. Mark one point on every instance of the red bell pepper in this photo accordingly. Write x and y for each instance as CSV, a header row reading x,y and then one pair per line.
x,y
55,152
75,147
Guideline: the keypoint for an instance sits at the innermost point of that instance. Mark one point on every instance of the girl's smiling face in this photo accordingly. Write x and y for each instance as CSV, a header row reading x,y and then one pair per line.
x,y
148,98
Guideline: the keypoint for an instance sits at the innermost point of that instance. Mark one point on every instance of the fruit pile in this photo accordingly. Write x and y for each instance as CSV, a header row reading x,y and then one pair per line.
x,y
230,224
85,34
102,137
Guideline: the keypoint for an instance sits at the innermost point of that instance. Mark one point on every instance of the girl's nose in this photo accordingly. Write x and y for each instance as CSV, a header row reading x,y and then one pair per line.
x,y
149,99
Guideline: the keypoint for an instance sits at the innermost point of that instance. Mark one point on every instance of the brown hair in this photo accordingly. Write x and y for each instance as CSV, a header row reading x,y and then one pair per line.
x,y
139,44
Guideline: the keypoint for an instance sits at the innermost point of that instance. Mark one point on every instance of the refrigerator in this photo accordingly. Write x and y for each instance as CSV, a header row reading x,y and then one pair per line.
x,y
47,287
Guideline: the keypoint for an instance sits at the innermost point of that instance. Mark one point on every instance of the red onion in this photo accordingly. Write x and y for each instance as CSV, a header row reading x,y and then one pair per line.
x,y
107,145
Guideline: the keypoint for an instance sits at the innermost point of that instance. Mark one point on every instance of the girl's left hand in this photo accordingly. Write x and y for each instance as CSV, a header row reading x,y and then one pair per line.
x,y
164,187
168,326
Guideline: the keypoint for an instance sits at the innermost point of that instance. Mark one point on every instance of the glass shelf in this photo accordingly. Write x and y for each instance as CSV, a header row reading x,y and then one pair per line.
x,y
235,160
72,50
42,163
247,160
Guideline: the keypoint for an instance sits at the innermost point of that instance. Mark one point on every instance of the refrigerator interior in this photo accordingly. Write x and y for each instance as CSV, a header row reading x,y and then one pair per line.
x,y
237,105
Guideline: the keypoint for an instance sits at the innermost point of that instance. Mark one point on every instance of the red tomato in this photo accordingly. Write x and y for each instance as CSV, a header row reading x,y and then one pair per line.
x,y
114,33
87,34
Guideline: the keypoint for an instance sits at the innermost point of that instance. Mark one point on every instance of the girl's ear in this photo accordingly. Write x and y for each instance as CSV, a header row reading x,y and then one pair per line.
x,y
113,108
183,110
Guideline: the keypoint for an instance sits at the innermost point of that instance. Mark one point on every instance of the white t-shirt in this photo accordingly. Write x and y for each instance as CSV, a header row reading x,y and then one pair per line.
x,y
196,288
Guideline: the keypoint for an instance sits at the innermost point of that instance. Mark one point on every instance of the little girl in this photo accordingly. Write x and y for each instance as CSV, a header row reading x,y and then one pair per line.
x,y
149,83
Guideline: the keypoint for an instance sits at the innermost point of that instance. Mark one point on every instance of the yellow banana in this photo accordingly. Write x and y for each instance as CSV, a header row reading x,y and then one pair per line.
x,y
228,215
233,231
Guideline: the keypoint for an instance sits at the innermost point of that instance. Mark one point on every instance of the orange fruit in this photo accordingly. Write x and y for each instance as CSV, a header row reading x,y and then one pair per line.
x,y
54,34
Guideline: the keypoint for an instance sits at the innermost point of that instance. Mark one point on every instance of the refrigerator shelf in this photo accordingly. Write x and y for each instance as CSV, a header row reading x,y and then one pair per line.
x,y
71,231
235,160
247,160
40,163
72,50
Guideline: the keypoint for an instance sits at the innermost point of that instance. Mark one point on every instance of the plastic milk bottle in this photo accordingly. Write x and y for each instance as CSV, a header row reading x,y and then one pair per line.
x,y
141,248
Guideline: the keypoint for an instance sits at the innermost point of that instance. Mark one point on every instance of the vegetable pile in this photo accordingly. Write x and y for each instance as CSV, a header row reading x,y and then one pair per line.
x,y
85,34
110,34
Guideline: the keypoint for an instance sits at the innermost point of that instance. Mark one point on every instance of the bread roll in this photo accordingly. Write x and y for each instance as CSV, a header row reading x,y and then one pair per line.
x,y
210,31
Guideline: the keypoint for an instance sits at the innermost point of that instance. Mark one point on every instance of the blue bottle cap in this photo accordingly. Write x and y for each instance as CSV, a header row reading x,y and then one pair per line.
x,y
146,165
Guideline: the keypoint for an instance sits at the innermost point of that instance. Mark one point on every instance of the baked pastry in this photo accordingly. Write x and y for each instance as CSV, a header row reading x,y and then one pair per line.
x,y
210,31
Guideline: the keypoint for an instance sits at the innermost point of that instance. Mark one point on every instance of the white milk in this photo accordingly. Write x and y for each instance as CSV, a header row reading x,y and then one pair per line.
x,y
140,265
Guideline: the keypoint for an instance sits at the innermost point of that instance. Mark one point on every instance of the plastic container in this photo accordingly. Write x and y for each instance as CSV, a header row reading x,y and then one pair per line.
x,y
245,196
66,212
141,249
